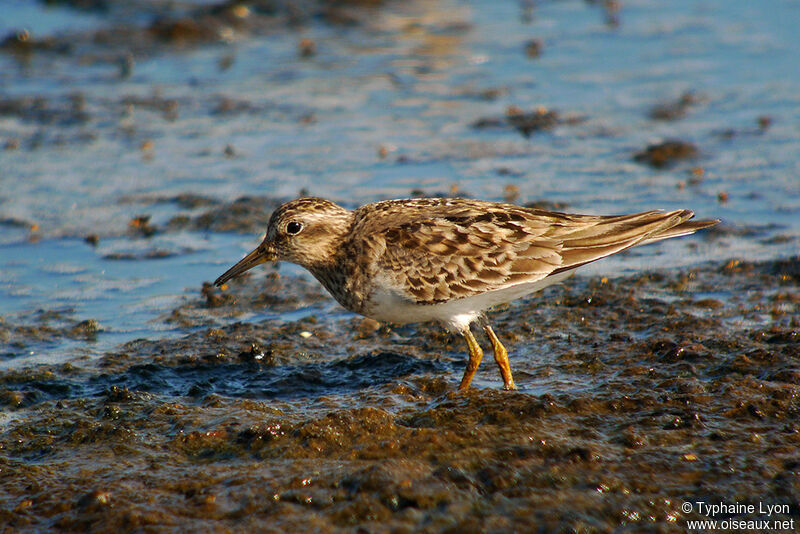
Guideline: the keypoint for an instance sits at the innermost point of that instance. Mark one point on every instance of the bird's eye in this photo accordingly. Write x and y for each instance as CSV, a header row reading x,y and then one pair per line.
x,y
293,228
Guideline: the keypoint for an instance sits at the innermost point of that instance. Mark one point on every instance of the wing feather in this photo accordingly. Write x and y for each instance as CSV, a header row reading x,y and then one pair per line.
x,y
433,250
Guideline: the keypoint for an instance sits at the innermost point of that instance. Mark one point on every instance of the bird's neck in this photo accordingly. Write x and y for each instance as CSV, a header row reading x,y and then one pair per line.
x,y
337,278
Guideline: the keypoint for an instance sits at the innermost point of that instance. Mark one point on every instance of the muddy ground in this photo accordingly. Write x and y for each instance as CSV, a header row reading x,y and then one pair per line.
x,y
636,395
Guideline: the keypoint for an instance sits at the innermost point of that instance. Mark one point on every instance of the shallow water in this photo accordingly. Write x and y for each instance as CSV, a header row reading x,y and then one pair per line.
x,y
140,160
103,148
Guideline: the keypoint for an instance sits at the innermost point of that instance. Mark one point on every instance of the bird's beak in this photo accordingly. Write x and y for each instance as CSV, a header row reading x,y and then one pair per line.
x,y
264,253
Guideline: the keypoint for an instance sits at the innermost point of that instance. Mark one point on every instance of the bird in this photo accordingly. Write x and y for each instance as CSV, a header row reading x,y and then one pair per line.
x,y
448,259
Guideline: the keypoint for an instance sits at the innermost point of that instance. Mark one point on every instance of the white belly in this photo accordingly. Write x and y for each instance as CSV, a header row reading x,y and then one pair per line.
x,y
389,305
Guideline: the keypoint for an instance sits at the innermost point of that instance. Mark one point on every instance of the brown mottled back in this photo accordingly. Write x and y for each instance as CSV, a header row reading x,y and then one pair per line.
x,y
442,249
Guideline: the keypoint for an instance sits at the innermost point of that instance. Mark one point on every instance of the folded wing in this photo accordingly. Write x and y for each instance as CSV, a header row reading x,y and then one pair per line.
x,y
462,248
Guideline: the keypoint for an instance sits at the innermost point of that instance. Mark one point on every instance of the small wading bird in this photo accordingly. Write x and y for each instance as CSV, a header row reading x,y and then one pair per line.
x,y
447,259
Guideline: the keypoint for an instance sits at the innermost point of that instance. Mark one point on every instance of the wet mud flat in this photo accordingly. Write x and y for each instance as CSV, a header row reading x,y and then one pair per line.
x,y
636,394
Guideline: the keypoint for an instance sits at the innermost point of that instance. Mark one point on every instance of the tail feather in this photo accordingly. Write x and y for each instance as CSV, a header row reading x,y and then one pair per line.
x,y
685,228
614,234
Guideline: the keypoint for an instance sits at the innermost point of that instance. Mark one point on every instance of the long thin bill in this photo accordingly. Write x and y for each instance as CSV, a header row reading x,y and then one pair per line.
x,y
257,257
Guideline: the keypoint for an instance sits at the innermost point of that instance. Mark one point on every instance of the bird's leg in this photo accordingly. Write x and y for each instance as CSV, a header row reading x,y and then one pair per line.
x,y
501,357
475,356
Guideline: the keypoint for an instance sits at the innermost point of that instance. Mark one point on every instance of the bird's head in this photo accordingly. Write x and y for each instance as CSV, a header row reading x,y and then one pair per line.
x,y
306,231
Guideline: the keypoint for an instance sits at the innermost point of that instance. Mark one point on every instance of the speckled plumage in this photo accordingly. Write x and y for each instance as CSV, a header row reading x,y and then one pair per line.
x,y
447,259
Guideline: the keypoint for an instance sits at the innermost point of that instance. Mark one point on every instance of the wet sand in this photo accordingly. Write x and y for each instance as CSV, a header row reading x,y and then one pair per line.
x,y
636,394
144,146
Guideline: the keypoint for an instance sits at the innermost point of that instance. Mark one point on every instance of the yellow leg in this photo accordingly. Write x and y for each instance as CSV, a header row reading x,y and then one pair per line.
x,y
501,357
475,356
